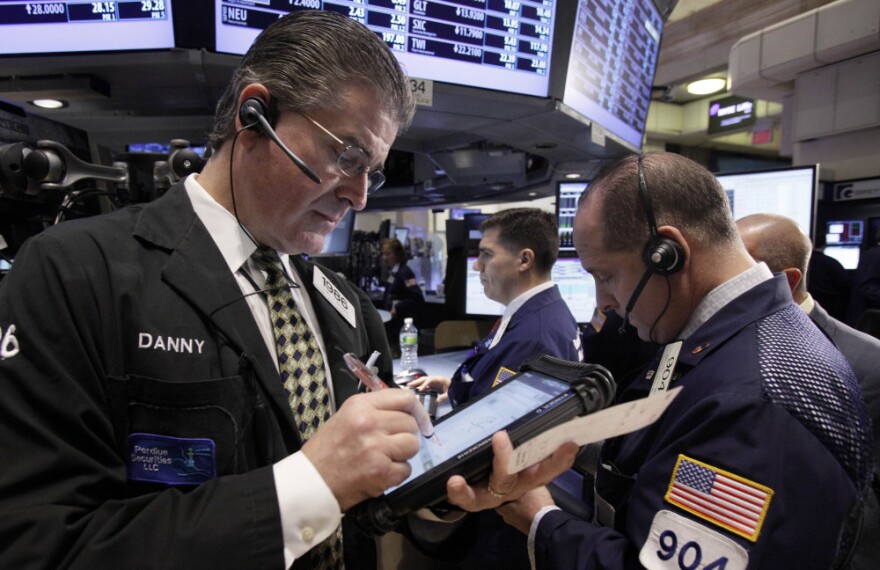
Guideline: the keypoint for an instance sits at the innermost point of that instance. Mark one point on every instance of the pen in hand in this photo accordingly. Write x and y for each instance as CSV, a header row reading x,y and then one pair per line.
x,y
374,383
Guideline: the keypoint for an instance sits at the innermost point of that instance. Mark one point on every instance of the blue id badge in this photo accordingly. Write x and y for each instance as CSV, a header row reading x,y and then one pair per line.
x,y
170,460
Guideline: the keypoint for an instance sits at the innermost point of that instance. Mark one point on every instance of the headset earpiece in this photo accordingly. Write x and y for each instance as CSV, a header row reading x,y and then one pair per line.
x,y
252,109
254,112
663,256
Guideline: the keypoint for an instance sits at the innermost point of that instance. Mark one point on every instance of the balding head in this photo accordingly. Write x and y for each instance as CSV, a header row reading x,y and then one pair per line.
x,y
780,243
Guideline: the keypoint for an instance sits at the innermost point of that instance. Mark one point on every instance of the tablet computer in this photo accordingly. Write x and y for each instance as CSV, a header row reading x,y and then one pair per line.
x,y
546,393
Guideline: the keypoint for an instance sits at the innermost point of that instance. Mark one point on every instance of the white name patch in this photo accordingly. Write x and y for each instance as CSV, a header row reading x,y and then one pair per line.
x,y
170,343
339,301
678,543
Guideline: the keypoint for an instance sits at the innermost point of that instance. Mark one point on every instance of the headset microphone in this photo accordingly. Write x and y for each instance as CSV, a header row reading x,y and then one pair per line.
x,y
633,298
253,112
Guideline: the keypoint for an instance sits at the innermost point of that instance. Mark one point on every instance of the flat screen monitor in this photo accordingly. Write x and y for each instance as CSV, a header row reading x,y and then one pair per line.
x,y
612,63
339,240
567,195
63,27
844,232
789,192
400,234
472,225
492,44
460,213
847,255
575,285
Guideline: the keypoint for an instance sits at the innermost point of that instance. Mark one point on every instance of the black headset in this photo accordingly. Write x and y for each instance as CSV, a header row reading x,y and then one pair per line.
x,y
254,112
662,255
252,109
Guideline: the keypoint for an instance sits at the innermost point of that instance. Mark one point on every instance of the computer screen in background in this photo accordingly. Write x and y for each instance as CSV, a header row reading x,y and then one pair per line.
x,y
567,195
576,287
789,192
847,255
400,234
847,232
339,240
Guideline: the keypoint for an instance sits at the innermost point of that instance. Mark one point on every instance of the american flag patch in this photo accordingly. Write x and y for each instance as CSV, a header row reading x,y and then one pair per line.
x,y
503,374
720,497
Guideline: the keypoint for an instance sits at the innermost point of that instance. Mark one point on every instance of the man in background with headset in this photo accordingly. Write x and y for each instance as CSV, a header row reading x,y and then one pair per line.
x,y
763,459
143,423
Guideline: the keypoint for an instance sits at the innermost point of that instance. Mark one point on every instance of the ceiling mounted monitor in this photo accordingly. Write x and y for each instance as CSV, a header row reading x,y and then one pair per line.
x,y
65,27
611,67
493,44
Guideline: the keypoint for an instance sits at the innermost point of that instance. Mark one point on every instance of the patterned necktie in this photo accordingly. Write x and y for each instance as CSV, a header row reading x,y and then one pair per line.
x,y
301,365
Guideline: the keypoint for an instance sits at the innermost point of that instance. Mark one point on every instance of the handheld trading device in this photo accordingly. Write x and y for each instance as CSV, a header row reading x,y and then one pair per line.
x,y
546,392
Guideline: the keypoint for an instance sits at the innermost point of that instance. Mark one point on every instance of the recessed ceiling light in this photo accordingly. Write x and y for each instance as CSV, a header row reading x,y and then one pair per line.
x,y
533,194
573,175
49,103
706,86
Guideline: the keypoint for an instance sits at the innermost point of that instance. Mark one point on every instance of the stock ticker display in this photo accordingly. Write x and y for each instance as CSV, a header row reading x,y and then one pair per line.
x,y
63,12
612,64
62,27
506,42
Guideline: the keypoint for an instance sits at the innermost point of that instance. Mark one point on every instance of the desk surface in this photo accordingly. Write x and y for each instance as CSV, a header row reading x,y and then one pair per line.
x,y
443,364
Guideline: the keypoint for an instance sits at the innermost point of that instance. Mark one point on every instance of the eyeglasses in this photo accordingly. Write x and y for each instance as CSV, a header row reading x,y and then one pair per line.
x,y
353,160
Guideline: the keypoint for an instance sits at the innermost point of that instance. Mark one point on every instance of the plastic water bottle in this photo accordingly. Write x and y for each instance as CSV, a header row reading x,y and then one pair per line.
x,y
409,345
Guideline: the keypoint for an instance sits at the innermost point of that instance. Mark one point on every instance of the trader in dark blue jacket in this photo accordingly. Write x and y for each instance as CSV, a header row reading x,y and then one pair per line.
x,y
783,246
763,459
517,251
516,254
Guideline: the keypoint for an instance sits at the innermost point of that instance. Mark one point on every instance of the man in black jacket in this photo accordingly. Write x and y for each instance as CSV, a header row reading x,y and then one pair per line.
x,y
143,422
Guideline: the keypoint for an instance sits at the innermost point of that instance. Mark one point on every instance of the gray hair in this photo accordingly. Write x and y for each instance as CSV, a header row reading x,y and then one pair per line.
x,y
308,59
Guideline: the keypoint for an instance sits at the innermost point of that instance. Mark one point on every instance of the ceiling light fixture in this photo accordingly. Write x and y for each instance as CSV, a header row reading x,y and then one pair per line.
x,y
49,103
706,86
573,175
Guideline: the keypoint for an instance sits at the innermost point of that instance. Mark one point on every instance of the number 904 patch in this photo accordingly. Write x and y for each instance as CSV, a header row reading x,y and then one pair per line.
x,y
675,542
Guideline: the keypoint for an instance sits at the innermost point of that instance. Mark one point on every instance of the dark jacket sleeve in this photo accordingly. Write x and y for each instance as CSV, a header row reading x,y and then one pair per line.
x,y
755,440
406,295
65,501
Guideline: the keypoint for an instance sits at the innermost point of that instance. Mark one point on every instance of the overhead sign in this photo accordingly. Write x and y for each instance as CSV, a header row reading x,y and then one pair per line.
x,y
857,190
730,114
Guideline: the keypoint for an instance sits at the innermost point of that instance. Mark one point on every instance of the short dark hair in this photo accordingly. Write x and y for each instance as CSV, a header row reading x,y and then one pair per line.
x,y
395,246
521,228
306,59
683,194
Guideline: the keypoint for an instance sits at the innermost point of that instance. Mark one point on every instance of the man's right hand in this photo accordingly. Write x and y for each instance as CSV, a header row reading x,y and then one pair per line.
x,y
364,447
438,383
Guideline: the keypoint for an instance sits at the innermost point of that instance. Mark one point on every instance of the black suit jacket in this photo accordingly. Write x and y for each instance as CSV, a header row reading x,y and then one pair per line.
x,y
863,353
128,324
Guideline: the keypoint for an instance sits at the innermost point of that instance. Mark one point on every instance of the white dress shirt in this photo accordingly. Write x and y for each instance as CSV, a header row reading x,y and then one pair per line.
x,y
309,511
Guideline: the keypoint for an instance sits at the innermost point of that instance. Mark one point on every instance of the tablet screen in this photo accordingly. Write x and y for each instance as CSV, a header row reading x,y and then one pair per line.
x,y
455,434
